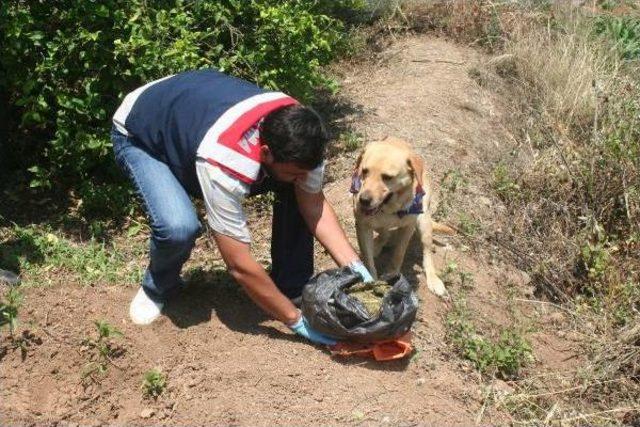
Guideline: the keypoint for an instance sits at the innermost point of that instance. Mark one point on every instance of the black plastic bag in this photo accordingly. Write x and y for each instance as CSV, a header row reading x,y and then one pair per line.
x,y
330,310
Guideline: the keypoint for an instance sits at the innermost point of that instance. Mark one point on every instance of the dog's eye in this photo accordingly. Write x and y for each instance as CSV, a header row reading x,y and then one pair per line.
x,y
365,172
387,177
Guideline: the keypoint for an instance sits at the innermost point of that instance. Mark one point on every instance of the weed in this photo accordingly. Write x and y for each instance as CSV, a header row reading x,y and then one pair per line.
x,y
9,309
511,352
452,180
452,272
468,225
106,331
350,141
417,354
504,356
153,384
623,31
447,274
506,188
625,303
595,260
33,250
466,279
104,350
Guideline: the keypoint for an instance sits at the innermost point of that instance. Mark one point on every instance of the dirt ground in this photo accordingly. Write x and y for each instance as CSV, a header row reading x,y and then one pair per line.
x,y
226,363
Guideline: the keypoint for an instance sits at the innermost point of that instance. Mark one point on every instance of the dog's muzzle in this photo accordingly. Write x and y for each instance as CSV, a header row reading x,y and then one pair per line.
x,y
365,204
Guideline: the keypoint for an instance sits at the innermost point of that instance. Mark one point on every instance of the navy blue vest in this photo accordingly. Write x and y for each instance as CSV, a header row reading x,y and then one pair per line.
x,y
170,118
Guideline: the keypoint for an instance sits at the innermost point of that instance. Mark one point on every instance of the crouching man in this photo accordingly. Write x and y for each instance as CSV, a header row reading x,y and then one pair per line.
x,y
205,134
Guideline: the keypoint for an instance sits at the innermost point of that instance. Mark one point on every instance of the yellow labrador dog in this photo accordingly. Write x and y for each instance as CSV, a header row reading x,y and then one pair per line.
x,y
392,195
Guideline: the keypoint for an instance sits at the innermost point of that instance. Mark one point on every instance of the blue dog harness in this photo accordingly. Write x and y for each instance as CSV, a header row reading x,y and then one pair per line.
x,y
413,208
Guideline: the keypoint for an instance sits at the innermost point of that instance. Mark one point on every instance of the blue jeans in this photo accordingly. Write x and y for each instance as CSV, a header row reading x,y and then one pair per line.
x,y
175,226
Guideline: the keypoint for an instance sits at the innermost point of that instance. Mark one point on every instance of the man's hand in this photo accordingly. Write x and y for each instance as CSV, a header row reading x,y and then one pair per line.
x,y
302,328
359,267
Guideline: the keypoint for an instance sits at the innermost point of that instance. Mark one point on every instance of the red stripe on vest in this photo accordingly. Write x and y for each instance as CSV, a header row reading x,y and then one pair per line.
x,y
231,136
231,172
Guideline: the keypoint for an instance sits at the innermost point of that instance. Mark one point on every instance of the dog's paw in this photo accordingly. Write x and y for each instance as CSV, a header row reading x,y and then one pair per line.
x,y
436,286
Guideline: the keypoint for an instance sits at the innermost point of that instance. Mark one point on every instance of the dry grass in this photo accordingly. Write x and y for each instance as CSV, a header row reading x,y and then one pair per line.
x,y
571,183
575,209
562,73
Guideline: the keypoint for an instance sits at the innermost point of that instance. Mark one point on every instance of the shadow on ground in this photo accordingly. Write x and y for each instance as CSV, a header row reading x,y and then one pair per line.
x,y
412,258
215,291
374,365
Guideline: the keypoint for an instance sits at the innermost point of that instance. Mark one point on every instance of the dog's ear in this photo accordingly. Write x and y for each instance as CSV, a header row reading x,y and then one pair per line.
x,y
416,164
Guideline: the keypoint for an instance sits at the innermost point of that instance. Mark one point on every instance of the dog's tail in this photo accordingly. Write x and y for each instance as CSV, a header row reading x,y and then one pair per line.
x,y
442,229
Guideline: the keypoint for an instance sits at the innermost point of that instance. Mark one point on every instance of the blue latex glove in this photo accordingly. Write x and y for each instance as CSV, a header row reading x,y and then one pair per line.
x,y
302,328
359,267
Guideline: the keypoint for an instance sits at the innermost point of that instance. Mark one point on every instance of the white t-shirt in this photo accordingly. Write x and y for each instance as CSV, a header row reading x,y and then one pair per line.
x,y
223,195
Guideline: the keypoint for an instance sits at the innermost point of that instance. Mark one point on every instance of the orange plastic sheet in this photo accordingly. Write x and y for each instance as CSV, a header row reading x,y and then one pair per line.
x,y
380,351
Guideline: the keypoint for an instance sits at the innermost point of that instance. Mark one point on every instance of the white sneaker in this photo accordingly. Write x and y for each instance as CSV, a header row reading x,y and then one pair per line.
x,y
143,310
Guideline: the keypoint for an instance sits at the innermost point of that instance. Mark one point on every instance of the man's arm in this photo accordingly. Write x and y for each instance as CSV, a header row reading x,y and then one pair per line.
x,y
255,280
223,197
323,223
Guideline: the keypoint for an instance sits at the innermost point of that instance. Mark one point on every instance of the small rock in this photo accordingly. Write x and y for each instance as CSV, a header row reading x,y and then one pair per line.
x,y
147,413
502,388
484,200
9,278
589,325
574,336
319,398
420,381
555,318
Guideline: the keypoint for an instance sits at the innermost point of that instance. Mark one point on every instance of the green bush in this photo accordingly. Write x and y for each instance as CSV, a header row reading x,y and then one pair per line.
x,y
65,67
624,31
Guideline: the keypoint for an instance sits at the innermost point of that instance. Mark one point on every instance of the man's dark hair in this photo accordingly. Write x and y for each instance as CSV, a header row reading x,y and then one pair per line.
x,y
295,134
